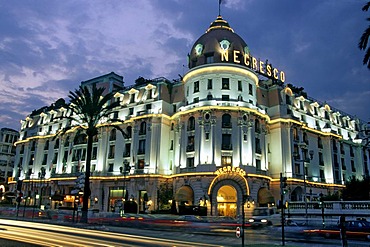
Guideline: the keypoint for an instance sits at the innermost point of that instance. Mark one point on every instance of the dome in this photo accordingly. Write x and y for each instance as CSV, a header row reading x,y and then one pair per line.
x,y
218,38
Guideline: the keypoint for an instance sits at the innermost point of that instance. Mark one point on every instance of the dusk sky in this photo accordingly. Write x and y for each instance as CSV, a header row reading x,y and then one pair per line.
x,y
47,47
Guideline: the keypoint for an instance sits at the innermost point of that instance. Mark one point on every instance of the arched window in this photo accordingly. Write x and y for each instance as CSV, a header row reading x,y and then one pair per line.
x,y
56,145
257,126
191,123
319,142
129,131
142,130
226,121
112,135
46,147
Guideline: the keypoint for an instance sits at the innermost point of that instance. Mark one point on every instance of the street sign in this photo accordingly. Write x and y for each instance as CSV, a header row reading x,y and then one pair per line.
x,y
237,232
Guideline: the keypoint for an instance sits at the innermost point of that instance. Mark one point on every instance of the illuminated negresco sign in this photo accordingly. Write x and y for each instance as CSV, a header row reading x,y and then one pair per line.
x,y
230,169
242,58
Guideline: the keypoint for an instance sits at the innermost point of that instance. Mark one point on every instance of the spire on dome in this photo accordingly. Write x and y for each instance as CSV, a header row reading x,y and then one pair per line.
x,y
219,23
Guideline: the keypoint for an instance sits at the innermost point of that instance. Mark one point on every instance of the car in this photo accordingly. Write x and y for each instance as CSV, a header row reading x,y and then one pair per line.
x,y
354,229
265,216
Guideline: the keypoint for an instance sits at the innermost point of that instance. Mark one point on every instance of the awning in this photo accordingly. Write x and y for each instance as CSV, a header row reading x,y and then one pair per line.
x,y
57,197
265,196
185,193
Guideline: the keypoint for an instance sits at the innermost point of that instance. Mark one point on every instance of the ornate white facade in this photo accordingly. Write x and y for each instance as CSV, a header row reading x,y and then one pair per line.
x,y
218,135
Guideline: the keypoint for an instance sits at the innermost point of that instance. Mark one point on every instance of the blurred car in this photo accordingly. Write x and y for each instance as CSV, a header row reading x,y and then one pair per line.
x,y
354,229
265,216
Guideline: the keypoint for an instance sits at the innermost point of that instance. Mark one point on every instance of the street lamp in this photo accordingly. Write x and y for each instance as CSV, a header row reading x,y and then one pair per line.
x,y
303,146
124,170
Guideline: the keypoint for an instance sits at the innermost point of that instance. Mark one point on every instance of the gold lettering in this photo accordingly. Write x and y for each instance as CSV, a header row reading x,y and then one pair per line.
x,y
261,67
275,73
229,168
236,58
254,63
268,68
282,76
225,56
246,60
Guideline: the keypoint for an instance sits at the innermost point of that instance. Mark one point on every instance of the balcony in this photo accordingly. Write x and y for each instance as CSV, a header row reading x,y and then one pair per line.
x,y
226,146
190,148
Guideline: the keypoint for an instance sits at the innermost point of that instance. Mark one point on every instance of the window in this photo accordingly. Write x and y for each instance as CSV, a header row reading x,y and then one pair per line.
x,y
225,83
258,165
129,132
46,147
141,147
322,175
226,160
305,138
149,94
209,85
343,164
115,115
112,135
44,160
110,167
196,86
250,89
288,100
140,164
351,153
171,146
226,142
240,88
196,99
130,111
94,153
190,146
148,107
111,151
209,58
55,158
132,98
209,97
225,97
258,146
127,151
190,162
142,130
319,142
257,126
353,166
226,121
56,145
321,159
32,159
191,123
207,136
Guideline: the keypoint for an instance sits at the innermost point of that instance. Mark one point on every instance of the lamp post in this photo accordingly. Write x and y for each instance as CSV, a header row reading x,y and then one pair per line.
x,y
124,170
303,146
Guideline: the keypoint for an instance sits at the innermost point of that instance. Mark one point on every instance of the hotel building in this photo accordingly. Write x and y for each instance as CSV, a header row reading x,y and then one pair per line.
x,y
221,134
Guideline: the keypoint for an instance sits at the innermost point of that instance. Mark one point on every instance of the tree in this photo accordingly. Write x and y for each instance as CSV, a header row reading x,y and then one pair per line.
x,y
357,189
90,109
364,40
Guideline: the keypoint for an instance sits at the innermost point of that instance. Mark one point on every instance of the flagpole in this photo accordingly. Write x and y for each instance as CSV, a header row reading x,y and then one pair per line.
x,y
219,7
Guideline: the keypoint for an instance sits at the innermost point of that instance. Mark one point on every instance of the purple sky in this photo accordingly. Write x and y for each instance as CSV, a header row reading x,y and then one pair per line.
x,y
48,47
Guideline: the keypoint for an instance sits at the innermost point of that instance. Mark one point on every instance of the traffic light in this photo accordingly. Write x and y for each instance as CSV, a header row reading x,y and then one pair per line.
x,y
283,182
283,185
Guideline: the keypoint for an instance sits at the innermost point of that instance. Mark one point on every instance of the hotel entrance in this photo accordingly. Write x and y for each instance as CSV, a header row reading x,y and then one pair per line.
x,y
226,201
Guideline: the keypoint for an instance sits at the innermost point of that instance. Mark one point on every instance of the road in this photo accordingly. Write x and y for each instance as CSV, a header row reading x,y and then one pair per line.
x,y
43,234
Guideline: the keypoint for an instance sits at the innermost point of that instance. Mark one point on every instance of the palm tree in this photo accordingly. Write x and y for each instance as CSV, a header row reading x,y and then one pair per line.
x,y
365,39
90,108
